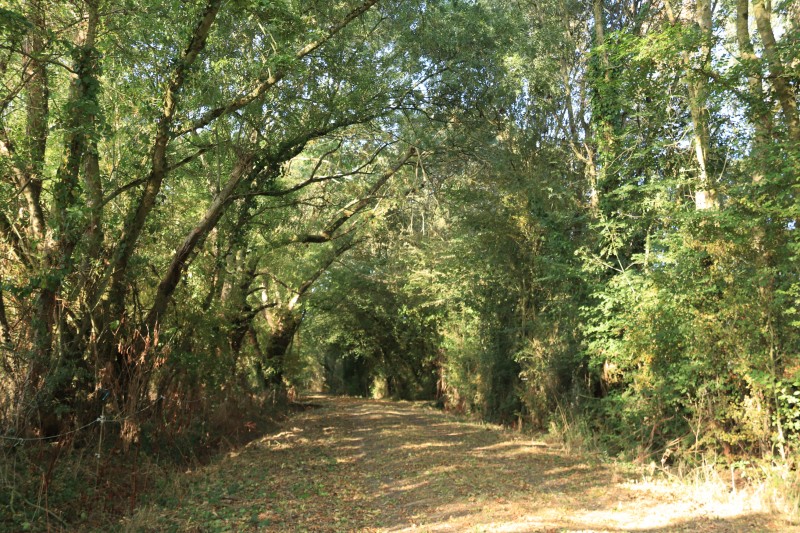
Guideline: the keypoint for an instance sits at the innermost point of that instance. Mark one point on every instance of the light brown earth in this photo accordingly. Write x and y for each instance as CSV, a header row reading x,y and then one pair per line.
x,y
366,465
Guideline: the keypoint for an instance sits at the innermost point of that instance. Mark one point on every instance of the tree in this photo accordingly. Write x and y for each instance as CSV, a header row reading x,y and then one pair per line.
x,y
146,121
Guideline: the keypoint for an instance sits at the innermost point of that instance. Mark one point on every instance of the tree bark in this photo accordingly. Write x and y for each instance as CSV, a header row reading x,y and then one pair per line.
x,y
198,234
705,196
762,121
783,90
159,167
8,231
284,321
697,86
37,105
58,247
93,185
80,147
5,329
282,333
605,148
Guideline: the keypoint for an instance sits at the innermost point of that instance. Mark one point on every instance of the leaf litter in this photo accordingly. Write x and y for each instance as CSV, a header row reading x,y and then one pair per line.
x,y
380,466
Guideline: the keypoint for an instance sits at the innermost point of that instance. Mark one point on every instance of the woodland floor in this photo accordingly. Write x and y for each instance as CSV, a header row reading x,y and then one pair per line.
x,y
365,465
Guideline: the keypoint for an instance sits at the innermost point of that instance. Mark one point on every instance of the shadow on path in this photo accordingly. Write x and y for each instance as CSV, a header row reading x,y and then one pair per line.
x,y
359,465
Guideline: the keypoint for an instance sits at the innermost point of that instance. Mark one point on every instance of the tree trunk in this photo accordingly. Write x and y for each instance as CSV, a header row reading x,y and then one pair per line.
x,y
606,139
198,234
697,86
284,327
762,121
37,106
705,196
159,167
5,329
783,90
243,314
143,340
58,247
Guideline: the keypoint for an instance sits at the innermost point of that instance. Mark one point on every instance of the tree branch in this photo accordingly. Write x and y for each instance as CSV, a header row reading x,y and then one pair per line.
x,y
273,79
8,231
357,205
135,222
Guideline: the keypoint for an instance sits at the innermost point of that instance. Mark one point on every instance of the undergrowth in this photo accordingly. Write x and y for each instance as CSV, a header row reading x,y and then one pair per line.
x,y
87,480
769,484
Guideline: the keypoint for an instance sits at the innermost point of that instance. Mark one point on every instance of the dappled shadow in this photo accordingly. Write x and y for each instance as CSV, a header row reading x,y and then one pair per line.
x,y
383,466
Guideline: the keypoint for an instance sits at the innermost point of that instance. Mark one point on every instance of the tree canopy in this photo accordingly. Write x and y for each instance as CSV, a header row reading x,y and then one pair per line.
x,y
518,210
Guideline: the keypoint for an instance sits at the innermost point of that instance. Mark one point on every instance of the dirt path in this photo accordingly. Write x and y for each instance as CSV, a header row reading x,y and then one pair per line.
x,y
358,465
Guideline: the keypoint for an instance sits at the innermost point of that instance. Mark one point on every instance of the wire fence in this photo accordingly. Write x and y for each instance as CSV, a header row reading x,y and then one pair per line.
x,y
102,419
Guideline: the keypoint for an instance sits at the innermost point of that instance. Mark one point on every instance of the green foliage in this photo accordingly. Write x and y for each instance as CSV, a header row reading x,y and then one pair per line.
x,y
490,206
367,324
13,24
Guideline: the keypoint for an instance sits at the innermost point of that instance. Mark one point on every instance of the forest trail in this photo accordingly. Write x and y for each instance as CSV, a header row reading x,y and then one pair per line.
x,y
366,465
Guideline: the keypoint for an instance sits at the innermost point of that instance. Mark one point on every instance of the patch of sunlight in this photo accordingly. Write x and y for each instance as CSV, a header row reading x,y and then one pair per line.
x,y
469,424
510,449
439,470
512,527
520,515
276,445
353,448
394,429
499,446
716,499
641,517
371,415
567,470
457,435
472,517
409,486
356,441
282,435
425,445
350,459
